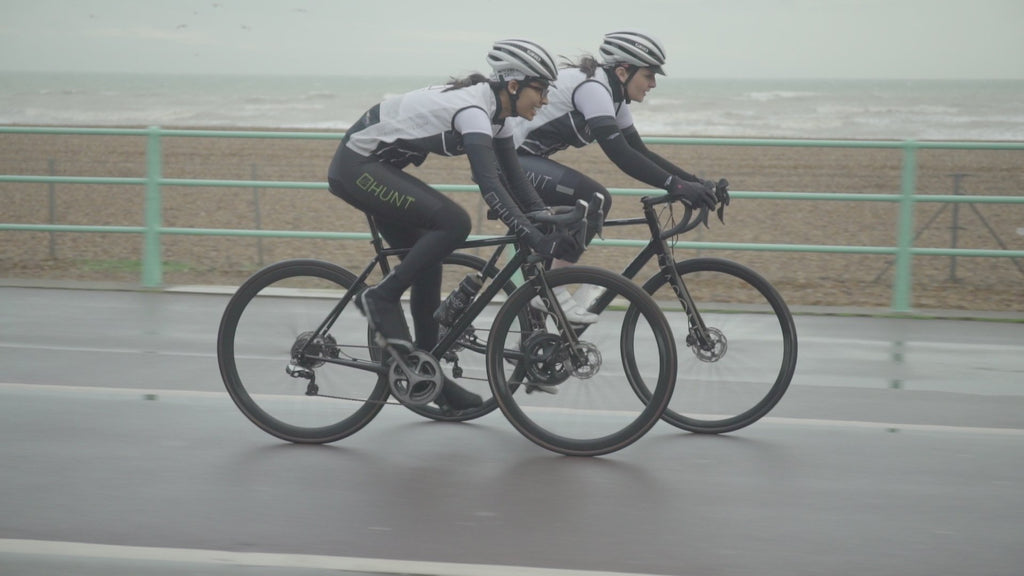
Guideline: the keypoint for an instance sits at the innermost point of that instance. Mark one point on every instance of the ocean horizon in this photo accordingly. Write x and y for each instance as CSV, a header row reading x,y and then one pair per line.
x,y
872,109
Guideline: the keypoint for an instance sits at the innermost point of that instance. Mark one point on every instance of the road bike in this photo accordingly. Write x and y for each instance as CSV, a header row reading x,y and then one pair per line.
x,y
737,335
299,360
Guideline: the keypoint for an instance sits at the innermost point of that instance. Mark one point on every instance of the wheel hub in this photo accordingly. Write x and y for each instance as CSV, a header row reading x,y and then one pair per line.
x,y
717,346
307,350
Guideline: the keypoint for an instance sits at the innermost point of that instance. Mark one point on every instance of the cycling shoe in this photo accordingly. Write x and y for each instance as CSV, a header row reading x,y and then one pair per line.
x,y
574,312
454,398
385,316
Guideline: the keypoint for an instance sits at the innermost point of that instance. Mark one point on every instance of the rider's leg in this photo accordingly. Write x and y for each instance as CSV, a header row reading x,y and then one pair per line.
x,y
424,297
410,214
559,185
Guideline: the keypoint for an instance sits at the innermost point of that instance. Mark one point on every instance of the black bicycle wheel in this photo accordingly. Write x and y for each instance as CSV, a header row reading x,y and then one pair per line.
x,y
272,316
466,363
582,408
739,379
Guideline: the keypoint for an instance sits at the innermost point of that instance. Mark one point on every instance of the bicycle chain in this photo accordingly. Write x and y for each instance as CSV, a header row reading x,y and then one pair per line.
x,y
384,402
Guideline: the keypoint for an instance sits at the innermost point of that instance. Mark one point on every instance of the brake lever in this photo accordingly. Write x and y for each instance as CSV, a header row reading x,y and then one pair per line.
x,y
581,230
599,201
722,194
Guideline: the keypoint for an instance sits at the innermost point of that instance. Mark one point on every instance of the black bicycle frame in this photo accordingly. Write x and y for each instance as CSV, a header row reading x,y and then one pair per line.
x,y
658,246
522,259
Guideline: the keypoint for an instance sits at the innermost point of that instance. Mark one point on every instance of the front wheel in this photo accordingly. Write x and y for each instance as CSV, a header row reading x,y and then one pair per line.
x,y
742,373
569,393
279,366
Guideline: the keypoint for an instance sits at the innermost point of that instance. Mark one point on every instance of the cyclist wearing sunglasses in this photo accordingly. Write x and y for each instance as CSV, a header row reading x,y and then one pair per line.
x,y
467,116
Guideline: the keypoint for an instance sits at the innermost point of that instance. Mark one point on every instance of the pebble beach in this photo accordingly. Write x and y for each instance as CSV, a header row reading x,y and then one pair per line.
x,y
805,278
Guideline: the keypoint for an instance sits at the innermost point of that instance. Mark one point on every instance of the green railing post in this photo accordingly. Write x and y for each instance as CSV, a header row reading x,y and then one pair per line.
x,y
903,282
152,267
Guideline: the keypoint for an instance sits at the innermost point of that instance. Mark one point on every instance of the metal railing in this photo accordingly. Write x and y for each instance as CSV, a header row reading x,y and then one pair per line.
x,y
153,229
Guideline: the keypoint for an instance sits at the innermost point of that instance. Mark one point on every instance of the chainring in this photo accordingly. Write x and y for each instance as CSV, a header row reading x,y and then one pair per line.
x,y
547,359
418,382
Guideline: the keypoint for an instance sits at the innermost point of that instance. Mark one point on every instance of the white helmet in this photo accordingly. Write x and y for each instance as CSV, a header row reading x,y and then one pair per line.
x,y
521,59
635,48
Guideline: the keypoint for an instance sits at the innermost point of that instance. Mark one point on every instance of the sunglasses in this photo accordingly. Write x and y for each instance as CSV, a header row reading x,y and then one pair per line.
x,y
542,88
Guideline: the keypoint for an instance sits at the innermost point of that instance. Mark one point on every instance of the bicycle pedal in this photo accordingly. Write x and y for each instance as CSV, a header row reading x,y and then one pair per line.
x,y
396,347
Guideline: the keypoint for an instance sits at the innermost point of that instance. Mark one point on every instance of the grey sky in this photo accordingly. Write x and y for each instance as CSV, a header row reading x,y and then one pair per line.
x,y
704,38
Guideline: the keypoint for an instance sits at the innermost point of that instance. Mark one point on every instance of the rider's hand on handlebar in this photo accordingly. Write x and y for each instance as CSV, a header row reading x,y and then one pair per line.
x,y
537,215
559,245
696,194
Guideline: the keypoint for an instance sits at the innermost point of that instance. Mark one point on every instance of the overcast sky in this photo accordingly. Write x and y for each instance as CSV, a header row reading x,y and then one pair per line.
x,y
704,38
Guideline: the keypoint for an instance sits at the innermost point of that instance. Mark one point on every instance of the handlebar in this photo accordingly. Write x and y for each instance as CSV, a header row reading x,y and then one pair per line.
x,y
560,218
571,219
688,222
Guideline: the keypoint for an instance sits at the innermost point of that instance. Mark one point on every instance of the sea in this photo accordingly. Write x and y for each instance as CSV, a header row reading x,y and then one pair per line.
x,y
957,110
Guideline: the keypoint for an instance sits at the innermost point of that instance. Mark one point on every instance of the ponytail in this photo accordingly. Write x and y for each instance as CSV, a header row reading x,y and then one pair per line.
x,y
472,79
586,64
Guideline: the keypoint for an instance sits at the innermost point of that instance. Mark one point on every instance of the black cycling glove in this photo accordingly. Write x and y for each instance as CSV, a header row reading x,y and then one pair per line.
x,y
697,194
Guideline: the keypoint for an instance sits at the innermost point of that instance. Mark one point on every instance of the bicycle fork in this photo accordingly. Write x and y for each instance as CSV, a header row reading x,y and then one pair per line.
x,y
699,337
576,352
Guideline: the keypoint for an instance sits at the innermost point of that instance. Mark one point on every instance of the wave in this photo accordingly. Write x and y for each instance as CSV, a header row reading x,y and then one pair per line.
x,y
734,108
768,96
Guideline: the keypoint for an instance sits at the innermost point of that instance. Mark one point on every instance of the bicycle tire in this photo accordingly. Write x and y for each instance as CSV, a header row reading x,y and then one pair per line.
x,y
456,266
756,357
591,414
264,322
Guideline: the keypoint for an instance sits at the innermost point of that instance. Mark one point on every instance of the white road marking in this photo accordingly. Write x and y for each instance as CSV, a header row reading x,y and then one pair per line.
x,y
809,422
273,560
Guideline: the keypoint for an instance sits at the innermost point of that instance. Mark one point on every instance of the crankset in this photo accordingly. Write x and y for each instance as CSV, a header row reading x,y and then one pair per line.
x,y
415,378
547,359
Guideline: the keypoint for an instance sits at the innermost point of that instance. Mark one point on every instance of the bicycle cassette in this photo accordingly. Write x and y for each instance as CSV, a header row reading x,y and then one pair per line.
x,y
307,349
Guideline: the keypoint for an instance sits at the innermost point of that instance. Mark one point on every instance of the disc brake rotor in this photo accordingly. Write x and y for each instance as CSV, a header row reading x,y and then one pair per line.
x,y
718,346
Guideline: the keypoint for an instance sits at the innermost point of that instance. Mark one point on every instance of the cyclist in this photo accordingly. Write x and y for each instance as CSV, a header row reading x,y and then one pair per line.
x,y
467,116
590,102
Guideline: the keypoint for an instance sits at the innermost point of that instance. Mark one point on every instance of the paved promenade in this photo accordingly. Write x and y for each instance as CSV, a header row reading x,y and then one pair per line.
x,y
899,449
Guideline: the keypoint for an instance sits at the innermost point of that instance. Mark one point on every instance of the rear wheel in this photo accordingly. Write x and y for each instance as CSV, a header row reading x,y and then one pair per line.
x,y
277,366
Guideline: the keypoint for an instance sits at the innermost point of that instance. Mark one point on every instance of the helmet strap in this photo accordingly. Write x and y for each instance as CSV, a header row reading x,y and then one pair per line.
x,y
499,88
617,84
625,83
513,98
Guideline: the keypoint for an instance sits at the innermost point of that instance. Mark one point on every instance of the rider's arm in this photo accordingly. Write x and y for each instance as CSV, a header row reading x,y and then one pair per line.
x,y
475,127
631,161
633,139
523,192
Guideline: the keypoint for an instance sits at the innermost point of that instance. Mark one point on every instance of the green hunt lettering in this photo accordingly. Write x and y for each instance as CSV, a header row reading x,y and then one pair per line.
x,y
383,193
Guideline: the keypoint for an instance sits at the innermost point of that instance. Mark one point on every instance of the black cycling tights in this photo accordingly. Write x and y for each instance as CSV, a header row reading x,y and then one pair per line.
x,y
559,185
409,214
